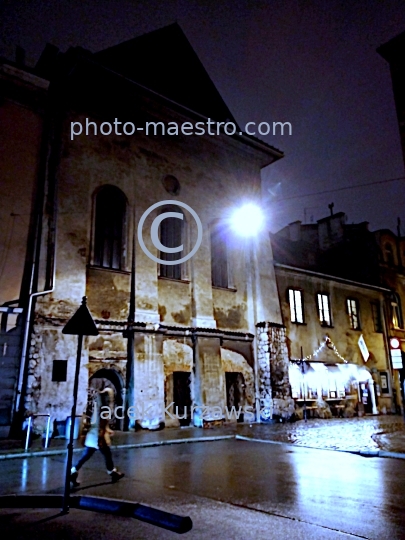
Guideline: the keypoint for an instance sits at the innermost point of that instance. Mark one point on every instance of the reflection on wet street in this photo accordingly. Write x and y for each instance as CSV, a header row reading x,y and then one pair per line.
x,y
322,493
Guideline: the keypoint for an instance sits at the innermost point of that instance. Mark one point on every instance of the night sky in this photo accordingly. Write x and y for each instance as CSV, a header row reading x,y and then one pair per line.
x,y
311,63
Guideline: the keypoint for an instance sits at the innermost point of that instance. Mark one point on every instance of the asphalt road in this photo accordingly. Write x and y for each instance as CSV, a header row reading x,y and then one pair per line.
x,y
231,489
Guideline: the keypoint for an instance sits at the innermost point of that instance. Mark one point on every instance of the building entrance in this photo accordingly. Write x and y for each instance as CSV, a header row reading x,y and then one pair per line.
x,y
182,397
235,393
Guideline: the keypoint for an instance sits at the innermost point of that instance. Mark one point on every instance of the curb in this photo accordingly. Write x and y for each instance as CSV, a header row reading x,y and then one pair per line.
x,y
364,453
61,451
45,453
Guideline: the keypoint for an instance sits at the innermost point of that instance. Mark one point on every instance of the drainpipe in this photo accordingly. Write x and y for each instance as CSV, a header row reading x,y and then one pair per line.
x,y
27,326
48,168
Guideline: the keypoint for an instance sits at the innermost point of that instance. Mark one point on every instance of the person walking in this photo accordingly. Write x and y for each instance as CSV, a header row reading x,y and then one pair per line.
x,y
98,437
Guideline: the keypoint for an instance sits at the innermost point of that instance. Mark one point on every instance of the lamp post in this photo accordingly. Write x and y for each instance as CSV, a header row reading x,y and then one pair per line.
x,y
247,221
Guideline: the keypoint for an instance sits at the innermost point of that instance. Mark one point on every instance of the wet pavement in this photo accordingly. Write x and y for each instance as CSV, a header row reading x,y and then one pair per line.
x,y
349,434
232,489
366,434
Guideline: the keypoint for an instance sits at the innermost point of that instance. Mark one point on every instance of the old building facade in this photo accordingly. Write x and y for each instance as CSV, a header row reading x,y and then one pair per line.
x,y
337,325
193,338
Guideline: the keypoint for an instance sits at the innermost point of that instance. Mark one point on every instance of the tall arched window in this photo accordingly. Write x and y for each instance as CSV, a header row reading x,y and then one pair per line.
x,y
172,235
219,258
109,234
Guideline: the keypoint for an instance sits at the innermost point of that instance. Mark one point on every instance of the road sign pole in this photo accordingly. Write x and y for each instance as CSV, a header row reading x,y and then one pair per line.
x,y
81,324
65,508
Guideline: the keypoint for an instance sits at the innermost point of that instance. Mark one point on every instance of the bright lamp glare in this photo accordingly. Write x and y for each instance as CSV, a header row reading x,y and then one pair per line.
x,y
247,220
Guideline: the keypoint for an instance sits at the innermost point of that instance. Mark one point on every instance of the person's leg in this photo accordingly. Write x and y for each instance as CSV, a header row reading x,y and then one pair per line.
x,y
106,451
88,452
112,471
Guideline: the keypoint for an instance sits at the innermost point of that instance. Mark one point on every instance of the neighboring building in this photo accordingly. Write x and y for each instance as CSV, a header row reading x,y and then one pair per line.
x,y
392,271
394,53
180,333
334,319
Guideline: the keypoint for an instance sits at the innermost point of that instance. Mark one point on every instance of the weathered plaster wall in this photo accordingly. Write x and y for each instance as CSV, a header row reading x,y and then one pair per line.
x,y
174,302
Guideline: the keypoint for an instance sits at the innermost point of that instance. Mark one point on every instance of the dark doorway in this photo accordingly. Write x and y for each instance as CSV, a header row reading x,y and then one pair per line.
x,y
182,397
235,393
366,397
109,378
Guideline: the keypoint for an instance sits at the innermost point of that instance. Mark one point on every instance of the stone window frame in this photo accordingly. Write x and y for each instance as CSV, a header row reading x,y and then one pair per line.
x,y
353,311
325,302
291,300
122,241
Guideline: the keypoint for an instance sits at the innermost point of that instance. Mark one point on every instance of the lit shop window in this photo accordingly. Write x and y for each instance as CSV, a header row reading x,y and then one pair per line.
x,y
324,309
296,305
353,312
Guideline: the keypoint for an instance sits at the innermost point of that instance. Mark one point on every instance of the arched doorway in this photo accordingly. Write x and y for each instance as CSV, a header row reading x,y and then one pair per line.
x,y
109,378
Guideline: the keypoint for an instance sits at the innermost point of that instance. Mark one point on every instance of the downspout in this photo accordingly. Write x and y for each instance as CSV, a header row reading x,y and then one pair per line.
x,y
48,187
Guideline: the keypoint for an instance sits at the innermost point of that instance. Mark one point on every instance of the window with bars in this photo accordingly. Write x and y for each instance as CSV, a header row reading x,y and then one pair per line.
x,y
376,312
219,259
295,299
109,233
352,307
171,236
324,313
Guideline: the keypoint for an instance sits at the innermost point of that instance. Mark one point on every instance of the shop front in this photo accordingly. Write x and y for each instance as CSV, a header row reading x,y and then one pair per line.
x,y
345,389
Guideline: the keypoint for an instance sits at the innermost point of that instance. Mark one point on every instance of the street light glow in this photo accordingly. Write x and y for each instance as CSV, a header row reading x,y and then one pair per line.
x,y
247,220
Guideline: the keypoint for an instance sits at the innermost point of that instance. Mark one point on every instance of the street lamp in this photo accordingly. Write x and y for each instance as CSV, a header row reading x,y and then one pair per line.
x,y
247,221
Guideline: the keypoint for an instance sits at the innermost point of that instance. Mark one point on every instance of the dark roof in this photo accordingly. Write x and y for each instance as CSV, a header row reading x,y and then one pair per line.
x,y
165,62
394,49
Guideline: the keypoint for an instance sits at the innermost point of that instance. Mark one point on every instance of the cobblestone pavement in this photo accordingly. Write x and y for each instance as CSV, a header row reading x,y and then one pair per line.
x,y
351,434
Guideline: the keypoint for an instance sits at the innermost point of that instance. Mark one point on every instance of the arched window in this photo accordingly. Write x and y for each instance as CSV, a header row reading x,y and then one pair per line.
x,y
172,235
219,258
109,233
389,254
396,311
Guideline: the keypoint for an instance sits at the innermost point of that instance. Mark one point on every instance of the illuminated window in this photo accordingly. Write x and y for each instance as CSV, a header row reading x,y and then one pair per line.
x,y
109,236
376,312
295,299
396,311
353,311
219,259
171,236
324,309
